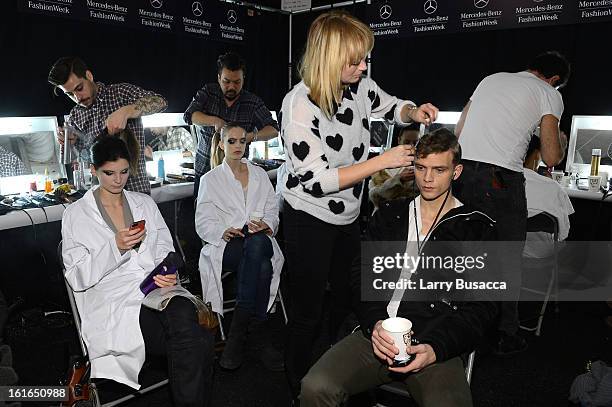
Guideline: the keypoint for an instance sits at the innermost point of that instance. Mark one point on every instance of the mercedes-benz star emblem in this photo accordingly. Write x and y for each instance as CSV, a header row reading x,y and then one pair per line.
x,y
157,3
430,6
481,3
385,11
232,17
196,8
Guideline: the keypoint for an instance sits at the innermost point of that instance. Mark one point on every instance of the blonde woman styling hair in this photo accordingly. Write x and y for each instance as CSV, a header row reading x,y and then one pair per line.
x,y
326,133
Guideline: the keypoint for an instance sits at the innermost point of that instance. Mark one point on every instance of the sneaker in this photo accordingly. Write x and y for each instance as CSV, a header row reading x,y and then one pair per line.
x,y
510,344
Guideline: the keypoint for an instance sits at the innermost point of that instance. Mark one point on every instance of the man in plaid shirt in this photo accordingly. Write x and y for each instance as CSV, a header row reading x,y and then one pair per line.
x,y
10,164
170,138
223,102
100,106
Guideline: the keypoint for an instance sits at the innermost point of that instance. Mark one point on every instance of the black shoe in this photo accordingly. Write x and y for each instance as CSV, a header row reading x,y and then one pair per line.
x,y
233,354
260,338
510,344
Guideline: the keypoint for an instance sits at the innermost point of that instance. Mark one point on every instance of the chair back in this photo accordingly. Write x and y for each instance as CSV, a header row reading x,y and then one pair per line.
x,y
544,222
73,306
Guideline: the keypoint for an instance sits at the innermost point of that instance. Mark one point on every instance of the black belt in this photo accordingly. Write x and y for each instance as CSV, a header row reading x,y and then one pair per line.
x,y
476,165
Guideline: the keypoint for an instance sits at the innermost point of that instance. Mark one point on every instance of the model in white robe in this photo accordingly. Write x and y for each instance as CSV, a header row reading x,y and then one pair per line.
x,y
106,283
221,205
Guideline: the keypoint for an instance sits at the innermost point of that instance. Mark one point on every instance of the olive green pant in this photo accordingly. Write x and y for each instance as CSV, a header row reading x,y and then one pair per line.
x,y
350,367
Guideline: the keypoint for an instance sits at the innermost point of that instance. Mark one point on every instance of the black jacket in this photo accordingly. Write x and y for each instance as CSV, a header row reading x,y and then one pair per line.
x,y
451,328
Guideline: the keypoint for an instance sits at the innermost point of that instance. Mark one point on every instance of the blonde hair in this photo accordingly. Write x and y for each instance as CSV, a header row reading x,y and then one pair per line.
x,y
335,39
217,155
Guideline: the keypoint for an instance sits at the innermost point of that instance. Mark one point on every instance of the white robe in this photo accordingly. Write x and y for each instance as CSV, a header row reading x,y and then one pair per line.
x,y
106,283
221,205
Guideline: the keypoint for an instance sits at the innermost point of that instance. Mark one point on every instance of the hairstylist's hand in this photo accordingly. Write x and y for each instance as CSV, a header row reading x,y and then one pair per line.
x,y
382,344
426,114
230,233
400,156
218,123
61,135
126,238
117,120
167,280
257,226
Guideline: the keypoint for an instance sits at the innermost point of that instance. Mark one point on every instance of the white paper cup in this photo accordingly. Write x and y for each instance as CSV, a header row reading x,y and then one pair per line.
x,y
557,176
565,181
400,329
604,178
594,183
255,216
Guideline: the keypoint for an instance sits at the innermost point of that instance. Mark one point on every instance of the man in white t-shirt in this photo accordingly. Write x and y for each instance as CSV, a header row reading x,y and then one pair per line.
x,y
494,131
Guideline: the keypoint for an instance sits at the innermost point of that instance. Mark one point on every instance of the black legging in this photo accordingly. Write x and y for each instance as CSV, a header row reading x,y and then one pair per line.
x,y
175,333
317,253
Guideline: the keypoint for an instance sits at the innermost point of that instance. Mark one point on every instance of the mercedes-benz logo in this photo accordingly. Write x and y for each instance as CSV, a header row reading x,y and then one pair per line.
x,y
385,11
232,17
157,3
197,9
481,3
430,6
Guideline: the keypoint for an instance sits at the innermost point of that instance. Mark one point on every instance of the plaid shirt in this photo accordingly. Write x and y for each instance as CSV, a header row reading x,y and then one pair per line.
x,y
249,111
177,138
91,121
10,164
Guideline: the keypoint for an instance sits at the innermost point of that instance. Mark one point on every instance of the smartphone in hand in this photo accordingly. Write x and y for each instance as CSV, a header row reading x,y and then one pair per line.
x,y
138,225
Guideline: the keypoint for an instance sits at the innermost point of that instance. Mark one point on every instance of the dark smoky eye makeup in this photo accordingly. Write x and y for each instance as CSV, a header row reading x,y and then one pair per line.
x,y
109,173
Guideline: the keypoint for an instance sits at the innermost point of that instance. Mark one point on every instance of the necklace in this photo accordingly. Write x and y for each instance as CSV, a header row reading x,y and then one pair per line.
x,y
433,225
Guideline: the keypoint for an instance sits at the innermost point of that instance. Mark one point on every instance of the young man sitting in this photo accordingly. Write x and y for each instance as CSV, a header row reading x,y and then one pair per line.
x,y
444,329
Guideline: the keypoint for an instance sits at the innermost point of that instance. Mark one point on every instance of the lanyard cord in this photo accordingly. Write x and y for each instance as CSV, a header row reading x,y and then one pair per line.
x,y
433,225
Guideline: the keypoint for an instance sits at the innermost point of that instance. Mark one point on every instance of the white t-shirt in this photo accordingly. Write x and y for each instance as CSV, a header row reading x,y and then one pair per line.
x,y
411,249
545,195
505,110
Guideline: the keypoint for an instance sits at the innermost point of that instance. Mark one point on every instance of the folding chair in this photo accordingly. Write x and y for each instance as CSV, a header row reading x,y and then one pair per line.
x,y
399,388
94,387
544,222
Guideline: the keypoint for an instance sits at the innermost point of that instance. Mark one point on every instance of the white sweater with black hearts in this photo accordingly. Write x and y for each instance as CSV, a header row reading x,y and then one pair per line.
x,y
316,148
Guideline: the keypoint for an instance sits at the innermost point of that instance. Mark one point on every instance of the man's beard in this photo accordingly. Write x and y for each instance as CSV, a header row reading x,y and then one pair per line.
x,y
231,95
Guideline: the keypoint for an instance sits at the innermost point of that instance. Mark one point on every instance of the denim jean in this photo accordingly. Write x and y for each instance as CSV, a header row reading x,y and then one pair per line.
x,y
500,193
250,257
176,334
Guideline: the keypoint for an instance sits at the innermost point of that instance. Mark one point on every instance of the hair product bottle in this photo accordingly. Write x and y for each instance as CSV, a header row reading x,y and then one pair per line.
x,y
595,160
